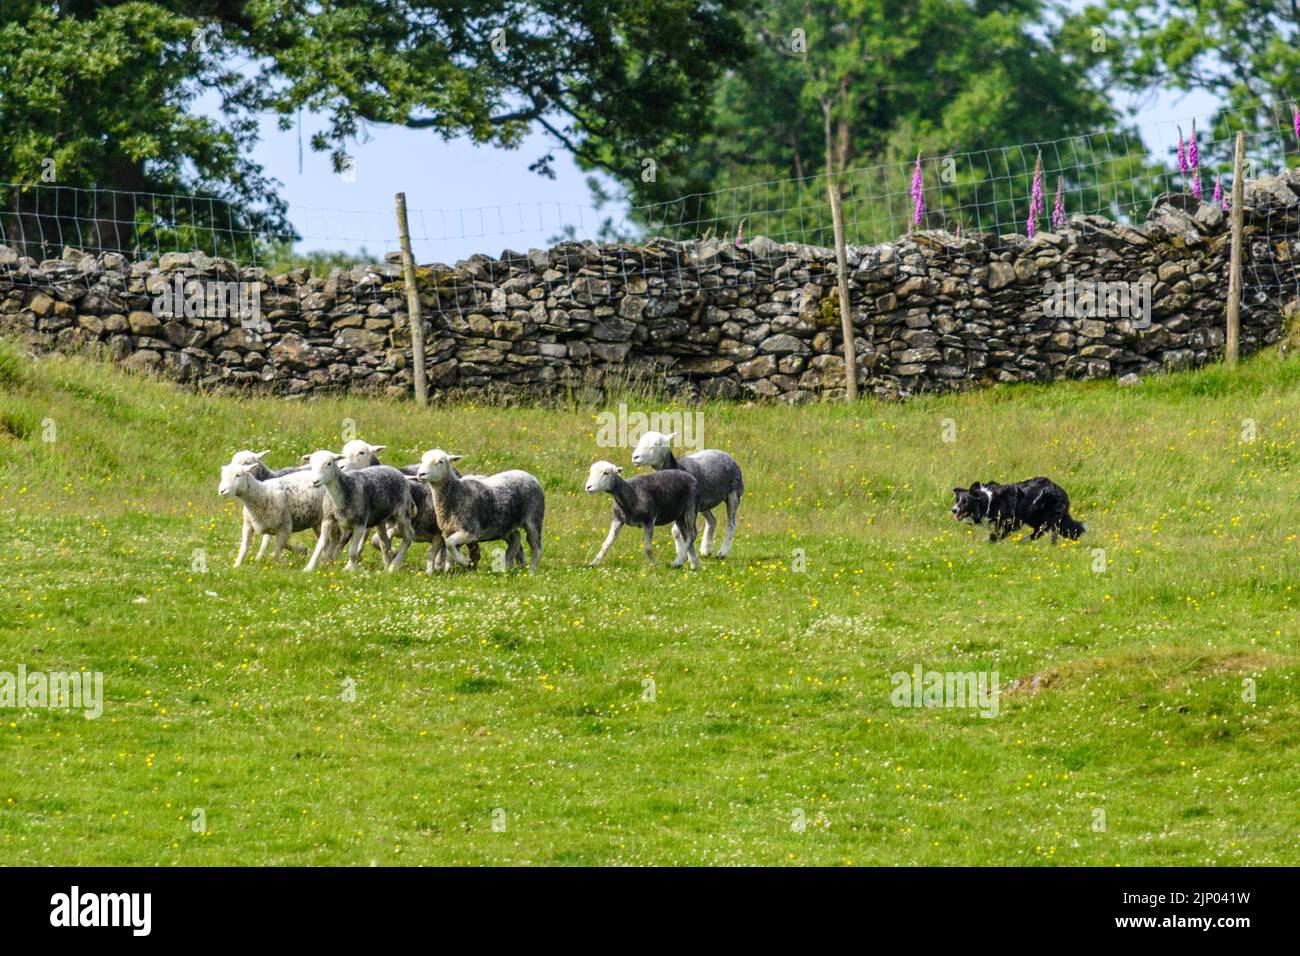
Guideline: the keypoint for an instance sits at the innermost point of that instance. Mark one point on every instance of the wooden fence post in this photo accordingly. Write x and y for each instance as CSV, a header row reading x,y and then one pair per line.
x,y
1232,345
846,309
412,304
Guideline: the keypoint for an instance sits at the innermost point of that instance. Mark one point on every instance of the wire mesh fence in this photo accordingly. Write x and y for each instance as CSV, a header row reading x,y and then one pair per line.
x,y
1023,189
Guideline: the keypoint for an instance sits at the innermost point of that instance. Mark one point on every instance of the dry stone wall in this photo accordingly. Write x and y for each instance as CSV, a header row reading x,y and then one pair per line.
x,y
932,311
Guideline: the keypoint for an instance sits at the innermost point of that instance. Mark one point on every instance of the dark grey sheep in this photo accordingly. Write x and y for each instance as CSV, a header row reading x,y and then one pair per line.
x,y
362,454
356,501
661,497
716,473
493,508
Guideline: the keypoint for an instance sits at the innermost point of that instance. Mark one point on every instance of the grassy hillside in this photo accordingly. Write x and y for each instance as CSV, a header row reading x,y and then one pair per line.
x,y
630,714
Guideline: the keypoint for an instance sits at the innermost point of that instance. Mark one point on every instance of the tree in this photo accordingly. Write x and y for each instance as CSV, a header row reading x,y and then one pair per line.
x,y
1247,54
857,87
98,96
106,91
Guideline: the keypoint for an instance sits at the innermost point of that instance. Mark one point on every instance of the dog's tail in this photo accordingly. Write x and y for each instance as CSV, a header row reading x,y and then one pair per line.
x,y
1070,528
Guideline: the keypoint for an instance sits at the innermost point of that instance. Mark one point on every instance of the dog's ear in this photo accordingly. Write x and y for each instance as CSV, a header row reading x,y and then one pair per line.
x,y
975,486
959,491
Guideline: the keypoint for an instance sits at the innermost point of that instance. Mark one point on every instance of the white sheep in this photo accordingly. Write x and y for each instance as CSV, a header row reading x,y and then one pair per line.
x,y
260,469
275,507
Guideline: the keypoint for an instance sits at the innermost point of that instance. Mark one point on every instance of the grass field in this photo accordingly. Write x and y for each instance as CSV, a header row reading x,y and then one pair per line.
x,y
648,715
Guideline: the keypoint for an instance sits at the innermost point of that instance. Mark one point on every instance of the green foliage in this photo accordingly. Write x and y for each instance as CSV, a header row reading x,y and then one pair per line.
x,y
879,83
101,96
224,688
1246,54
320,262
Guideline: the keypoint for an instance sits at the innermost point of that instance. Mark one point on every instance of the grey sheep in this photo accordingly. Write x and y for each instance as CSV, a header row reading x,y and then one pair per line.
x,y
356,501
362,454
717,474
659,498
493,508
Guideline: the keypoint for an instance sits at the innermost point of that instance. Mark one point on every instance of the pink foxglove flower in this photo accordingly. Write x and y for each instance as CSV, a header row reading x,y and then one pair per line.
x,y
918,193
1194,158
1058,207
1218,192
1036,200
1295,120
1182,153
740,231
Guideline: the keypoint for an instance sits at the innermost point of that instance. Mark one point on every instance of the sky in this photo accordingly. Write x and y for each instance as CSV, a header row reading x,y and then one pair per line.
x,y
465,198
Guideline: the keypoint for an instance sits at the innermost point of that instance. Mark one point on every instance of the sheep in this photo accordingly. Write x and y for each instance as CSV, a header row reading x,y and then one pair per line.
x,y
493,508
276,506
716,473
661,497
356,501
260,471
361,454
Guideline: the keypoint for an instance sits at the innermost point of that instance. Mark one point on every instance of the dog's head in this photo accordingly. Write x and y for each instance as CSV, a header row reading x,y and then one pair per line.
x,y
972,502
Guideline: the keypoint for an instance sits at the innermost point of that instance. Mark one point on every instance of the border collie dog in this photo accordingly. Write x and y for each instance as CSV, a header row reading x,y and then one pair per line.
x,y
1040,503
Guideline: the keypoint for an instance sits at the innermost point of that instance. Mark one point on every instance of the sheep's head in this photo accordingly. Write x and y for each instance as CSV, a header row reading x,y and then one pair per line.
x,y
249,457
235,478
325,466
653,449
602,475
435,466
362,454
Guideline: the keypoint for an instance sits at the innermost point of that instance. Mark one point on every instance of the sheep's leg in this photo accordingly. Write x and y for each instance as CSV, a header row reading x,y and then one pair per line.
x,y
514,550
408,535
534,547
266,539
245,540
733,505
435,555
334,539
385,545
281,541
355,545
322,542
648,544
452,542
690,547
710,523
614,527
681,531
687,524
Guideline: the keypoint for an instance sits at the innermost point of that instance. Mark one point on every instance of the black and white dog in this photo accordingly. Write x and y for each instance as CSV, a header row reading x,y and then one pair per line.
x,y
1040,503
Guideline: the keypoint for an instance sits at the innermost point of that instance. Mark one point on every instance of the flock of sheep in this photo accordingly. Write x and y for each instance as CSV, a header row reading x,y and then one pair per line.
x,y
344,497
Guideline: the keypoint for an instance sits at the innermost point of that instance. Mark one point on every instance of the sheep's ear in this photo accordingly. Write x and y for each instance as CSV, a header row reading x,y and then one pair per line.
x,y
339,458
453,457
306,457
619,469
669,438
262,454
377,448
